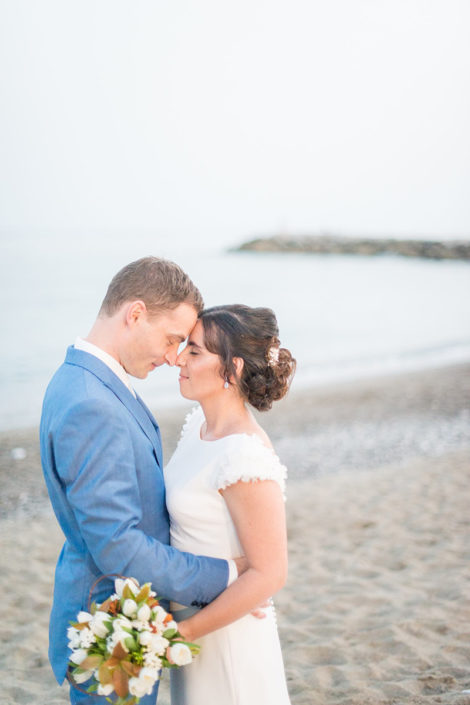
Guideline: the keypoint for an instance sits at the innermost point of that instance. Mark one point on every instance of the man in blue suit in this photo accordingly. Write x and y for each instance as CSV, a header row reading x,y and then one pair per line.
x,y
102,458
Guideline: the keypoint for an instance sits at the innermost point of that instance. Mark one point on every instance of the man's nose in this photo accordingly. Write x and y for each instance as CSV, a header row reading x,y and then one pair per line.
x,y
179,362
170,357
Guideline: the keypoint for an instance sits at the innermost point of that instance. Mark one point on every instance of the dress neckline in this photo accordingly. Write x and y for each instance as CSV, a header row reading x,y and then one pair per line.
x,y
233,435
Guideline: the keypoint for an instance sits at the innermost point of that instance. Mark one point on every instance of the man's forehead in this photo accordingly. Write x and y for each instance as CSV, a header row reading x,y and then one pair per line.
x,y
196,334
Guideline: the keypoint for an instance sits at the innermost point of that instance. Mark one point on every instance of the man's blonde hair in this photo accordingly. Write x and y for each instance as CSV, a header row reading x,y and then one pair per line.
x,y
159,283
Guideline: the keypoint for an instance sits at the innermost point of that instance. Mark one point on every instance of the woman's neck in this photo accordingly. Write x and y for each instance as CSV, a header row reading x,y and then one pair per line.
x,y
225,414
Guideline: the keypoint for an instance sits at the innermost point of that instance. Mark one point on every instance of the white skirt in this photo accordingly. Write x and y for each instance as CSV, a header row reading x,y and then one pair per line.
x,y
238,665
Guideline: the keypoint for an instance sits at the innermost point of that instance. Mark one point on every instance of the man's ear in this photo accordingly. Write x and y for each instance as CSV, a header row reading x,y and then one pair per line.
x,y
135,311
239,363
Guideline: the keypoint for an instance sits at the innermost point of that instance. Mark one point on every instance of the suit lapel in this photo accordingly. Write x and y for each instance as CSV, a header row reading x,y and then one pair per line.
x,y
155,427
135,405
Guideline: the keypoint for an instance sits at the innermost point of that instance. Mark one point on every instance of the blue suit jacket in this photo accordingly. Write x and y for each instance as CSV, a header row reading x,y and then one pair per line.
x,y
102,461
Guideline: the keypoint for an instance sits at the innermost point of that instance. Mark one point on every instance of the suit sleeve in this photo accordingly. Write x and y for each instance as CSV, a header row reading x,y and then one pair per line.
x,y
95,460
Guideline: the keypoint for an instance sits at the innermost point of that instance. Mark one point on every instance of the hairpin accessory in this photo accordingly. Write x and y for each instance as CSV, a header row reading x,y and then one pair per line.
x,y
273,356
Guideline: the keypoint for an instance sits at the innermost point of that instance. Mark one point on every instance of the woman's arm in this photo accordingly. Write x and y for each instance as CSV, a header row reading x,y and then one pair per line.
x,y
257,510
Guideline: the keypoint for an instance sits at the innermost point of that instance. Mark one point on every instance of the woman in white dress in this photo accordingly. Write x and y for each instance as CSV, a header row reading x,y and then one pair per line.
x,y
225,496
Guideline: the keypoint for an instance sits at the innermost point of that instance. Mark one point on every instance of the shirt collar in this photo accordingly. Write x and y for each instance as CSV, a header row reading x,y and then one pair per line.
x,y
109,360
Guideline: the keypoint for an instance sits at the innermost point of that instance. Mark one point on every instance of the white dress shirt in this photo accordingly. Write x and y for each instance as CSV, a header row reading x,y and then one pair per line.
x,y
108,360
119,371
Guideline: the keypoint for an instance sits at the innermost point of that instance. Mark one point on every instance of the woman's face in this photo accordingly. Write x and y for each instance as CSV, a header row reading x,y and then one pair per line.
x,y
199,369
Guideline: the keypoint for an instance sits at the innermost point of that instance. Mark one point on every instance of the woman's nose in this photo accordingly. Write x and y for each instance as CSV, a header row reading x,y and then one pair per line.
x,y
180,358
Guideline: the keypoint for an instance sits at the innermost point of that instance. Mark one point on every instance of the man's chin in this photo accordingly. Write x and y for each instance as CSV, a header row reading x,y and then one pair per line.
x,y
140,374
143,374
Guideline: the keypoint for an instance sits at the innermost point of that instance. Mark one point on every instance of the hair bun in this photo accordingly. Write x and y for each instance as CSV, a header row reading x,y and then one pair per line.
x,y
251,334
266,387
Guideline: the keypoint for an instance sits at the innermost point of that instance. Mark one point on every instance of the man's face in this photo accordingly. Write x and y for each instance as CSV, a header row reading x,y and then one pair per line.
x,y
152,341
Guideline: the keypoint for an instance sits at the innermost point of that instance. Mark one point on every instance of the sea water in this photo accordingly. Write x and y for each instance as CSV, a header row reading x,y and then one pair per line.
x,y
341,316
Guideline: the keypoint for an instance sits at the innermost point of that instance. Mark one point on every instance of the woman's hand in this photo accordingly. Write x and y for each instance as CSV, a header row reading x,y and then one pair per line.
x,y
184,628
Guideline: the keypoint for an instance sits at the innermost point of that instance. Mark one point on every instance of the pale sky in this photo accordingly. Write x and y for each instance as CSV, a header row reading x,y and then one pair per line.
x,y
228,120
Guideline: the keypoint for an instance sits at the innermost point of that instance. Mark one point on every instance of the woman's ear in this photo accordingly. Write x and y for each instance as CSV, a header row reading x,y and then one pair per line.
x,y
239,363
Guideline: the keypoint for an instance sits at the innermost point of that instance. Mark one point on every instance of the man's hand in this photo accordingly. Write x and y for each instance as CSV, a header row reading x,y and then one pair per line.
x,y
259,612
242,564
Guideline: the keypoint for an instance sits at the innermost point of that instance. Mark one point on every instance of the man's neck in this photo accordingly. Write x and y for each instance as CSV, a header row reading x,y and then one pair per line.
x,y
103,336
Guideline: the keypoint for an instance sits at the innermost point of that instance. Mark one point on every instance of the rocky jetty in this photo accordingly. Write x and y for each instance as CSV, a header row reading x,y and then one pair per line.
x,y
332,245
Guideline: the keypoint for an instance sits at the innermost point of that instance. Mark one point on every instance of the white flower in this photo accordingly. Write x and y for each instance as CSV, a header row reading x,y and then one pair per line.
x,y
137,687
78,656
158,644
87,638
73,635
97,625
179,654
152,661
119,585
84,617
144,613
159,613
129,608
139,625
105,689
143,685
117,637
82,677
171,625
120,622
145,638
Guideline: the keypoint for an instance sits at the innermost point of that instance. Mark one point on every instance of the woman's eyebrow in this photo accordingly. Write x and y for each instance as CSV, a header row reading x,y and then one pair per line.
x,y
194,345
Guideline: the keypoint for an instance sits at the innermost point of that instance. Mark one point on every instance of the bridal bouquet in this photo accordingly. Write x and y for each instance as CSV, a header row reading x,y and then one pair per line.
x,y
124,643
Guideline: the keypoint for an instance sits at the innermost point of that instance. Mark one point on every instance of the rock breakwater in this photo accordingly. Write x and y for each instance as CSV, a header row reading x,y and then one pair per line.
x,y
329,244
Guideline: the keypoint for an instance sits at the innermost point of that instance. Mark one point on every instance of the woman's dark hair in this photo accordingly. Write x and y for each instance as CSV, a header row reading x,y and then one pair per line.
x,y
251,334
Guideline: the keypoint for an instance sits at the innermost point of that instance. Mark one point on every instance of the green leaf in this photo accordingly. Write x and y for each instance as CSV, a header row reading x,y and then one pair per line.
x,y
189,643
130,643
170,633
143,594
127,593
93,688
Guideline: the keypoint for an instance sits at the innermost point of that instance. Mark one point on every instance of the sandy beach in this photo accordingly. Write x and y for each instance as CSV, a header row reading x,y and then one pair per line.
x,y
376,610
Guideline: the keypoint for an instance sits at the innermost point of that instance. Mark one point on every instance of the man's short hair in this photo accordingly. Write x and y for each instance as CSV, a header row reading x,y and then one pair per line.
x,y
159,283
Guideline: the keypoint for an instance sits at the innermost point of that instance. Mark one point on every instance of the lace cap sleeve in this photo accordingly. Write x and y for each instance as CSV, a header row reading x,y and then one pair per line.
x,y
247,460
193,420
